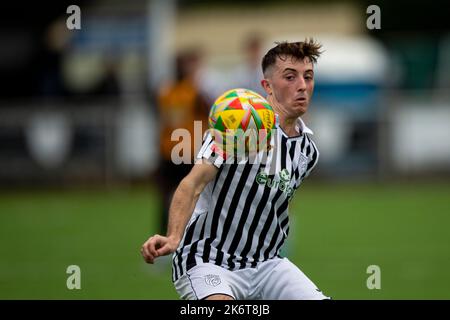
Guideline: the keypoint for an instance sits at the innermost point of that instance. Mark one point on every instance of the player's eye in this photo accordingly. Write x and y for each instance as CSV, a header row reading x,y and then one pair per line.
x,y
289,78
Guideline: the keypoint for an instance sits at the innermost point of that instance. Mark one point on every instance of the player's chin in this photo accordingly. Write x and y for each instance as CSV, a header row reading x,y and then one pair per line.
x,y
300,108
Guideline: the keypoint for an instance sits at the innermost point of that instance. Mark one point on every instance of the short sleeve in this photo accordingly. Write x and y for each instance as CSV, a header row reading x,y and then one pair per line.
x,y
314,158
211,152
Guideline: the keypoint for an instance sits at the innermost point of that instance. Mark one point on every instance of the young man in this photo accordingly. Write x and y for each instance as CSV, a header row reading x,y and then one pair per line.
x,y
228,221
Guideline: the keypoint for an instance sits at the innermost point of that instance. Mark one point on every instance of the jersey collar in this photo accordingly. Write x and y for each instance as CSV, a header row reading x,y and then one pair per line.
x,y
300,126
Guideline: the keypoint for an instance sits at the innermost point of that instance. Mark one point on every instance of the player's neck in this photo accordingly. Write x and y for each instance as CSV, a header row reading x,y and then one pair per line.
x,y
288,124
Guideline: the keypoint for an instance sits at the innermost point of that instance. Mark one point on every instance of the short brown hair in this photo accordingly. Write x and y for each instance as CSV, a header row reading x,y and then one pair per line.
x,y
299,50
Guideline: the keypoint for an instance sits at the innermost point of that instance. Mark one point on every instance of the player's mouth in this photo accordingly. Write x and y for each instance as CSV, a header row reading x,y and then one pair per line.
x,y
300,100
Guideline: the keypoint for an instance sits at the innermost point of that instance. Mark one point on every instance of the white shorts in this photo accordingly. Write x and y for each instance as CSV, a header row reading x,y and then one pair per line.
x,y
275,279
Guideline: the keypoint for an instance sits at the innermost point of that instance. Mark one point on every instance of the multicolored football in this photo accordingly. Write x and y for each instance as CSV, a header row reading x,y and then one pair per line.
x,y
241,116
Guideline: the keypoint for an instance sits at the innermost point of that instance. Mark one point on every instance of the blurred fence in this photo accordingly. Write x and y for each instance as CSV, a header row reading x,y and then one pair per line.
x,y
406,135
59,142
106,142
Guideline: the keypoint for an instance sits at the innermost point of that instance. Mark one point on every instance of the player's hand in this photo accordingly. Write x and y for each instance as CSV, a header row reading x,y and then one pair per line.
x,y
157,246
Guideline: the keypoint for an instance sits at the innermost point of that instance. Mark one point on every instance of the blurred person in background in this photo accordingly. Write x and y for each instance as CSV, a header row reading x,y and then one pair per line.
x,y
55,41
179,104
248,75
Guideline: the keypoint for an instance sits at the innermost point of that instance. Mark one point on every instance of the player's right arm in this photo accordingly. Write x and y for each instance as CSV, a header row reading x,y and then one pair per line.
x,y
181,209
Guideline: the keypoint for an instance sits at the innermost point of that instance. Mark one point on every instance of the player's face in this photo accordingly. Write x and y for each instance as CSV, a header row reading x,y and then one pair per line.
x,y
290,85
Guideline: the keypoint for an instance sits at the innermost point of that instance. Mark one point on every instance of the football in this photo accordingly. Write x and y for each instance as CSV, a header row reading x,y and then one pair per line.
x,y
241,119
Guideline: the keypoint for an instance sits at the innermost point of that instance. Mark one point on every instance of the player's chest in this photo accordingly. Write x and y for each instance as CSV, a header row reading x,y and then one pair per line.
x,y
285,166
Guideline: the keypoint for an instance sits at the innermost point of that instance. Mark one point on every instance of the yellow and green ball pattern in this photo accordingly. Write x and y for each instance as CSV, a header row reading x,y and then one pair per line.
x,y
241,110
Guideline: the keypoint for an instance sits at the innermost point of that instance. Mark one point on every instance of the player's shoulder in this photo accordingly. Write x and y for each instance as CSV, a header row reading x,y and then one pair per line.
x,y
309,137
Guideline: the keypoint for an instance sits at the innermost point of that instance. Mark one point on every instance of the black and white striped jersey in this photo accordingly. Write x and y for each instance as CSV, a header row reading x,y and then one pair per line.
x,y
241,218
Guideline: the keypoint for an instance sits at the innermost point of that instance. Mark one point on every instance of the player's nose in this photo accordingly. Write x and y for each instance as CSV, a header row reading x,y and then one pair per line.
x,y
301,85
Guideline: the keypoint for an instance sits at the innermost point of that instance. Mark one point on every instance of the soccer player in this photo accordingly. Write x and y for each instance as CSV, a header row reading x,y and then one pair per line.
x,y
227,221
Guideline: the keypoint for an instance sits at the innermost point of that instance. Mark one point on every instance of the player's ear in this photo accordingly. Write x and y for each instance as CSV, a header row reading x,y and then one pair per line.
x,y
266,85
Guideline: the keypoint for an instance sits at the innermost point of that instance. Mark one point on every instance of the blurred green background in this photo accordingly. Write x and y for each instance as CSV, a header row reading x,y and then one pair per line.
x,y
338,231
